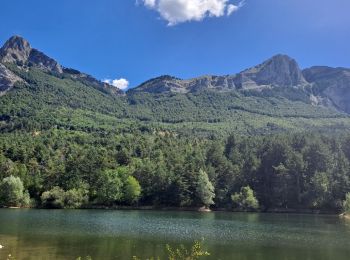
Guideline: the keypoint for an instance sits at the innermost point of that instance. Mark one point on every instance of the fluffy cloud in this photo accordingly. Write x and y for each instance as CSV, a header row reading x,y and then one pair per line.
x,y
179,11
121,83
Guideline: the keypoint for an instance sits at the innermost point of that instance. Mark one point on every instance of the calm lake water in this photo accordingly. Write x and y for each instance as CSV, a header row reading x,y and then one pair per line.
x,y
67,234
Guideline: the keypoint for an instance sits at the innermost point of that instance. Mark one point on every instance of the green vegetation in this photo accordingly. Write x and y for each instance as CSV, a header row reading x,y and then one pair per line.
x,y
194,253
245,200
76,169
73,146
205,189
57,198
12,193
182,253
61,101
132,190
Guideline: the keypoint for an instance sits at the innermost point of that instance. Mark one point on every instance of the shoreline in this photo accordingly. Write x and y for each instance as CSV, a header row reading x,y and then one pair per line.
x,y
203,210
345,216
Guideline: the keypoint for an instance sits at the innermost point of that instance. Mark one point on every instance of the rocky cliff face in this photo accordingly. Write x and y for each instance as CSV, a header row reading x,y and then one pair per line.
x,y
330,85
279,71
324,85
18,51
7,79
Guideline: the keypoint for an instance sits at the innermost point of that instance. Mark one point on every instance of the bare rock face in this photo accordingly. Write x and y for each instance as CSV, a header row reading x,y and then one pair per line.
x,y
163,84
18,50
7,79
44,62
332,85
280,71
325,86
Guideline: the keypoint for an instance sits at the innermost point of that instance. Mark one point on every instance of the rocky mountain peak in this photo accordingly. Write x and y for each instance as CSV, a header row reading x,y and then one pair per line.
x,y
18,50
280,70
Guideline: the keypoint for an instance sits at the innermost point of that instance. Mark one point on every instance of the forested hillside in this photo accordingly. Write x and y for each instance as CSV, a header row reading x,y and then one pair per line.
x,y
69,140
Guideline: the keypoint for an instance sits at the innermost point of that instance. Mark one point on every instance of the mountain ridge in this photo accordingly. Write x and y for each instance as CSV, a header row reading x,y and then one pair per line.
x,y
18,51
324,86
280,71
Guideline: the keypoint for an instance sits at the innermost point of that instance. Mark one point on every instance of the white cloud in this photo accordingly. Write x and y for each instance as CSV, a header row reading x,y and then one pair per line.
x,y
179,11
231,9
121,83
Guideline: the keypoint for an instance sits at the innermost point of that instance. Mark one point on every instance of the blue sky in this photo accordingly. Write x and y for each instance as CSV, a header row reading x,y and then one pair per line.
x,y
124,39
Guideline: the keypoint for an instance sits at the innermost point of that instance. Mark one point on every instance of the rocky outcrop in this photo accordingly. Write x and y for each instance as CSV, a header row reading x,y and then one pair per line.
x,y
92,82
17,50
325,86
40,60
330,85
279,71
322,85
7,79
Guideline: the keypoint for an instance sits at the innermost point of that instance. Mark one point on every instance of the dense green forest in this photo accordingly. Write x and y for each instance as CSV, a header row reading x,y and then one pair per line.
x,y
72,169
66,144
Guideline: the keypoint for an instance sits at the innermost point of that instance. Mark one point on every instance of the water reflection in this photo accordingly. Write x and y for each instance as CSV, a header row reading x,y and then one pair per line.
x,y
66,234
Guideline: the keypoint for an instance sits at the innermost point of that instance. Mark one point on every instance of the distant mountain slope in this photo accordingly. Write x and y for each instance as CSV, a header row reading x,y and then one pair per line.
x,y
330,86
279,71
324,86
39,93
17,51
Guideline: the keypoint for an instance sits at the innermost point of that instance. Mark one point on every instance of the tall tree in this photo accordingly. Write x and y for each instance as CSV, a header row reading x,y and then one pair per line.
x,y
205,189
12,192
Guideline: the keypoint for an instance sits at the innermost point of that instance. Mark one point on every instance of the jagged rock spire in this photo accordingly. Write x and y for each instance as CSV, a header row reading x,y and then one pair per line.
x,y
18,50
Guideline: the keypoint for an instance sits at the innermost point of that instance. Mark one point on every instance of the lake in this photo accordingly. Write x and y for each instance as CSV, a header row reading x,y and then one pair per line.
x,y
102,234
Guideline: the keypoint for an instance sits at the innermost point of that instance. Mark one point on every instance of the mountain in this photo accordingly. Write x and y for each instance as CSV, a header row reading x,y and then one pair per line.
x,y
39,93
331,86
279,71
324,86
17,51
7,79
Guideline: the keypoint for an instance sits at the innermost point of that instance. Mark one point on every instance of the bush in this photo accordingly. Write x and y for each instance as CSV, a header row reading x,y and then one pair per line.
x,y
12,193
54,199
110,187
75,198
194,253
132,190
57,198
245,200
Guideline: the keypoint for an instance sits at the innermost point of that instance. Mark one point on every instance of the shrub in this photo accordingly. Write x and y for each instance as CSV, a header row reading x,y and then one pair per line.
x,y
110,187
12,193
132,190
57,198
75,198
54,198
245,200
